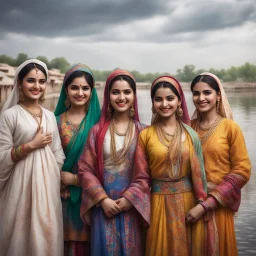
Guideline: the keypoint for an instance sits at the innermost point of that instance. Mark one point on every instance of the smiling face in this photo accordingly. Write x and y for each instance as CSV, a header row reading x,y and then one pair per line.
x,y
121,96
79,92
204,97
33,85
165,102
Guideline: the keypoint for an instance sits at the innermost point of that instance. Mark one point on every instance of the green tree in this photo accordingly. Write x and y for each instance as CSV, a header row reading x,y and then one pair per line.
x,y
45,60
248,72
21,58
60,63
231,74
7,59
187,73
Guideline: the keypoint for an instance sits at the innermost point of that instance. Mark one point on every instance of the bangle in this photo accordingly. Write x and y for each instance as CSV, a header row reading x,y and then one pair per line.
x,y
76,180
13,156
210,204
19,152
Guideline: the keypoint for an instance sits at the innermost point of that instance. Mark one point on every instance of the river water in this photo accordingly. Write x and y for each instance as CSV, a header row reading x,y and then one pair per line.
x,y
243,104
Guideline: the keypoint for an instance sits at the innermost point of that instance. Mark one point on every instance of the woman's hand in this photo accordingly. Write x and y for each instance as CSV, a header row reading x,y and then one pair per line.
x,y
67,178
40,140
124,204
65,194
195,214
211,187
110,207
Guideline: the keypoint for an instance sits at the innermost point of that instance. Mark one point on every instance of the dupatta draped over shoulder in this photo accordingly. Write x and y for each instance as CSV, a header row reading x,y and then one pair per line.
x,y
30,206
141,185
76,145
92,160
101,178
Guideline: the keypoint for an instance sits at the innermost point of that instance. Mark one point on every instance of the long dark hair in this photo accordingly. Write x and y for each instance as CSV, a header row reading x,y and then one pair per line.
x,y
128,79
25,70
79,73
164,85
206,79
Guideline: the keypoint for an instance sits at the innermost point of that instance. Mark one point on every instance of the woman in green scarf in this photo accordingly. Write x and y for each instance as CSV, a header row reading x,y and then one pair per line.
x,y
77,111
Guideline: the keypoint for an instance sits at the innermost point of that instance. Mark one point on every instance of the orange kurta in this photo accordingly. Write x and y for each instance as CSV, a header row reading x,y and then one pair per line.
x,y
168,233
225,153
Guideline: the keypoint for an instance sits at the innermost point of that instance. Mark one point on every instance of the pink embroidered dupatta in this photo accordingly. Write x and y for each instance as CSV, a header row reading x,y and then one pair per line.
x,y
91,159
104,121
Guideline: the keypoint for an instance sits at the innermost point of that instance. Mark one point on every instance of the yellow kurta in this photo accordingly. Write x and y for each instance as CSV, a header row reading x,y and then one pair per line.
x,y
225,153
168,233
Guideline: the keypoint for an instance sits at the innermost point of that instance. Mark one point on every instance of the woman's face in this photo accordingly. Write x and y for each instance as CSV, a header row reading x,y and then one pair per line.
x,y
121,96
165,102
204,97
33,85
79,92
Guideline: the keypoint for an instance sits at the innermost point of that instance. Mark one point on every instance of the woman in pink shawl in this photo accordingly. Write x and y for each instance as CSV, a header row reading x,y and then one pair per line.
x,y
105,171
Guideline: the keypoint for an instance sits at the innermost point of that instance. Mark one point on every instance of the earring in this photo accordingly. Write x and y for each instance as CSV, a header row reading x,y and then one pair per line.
x,y
42,99
132,111
179,112
21,95
109,111
153,110
218,106
67,102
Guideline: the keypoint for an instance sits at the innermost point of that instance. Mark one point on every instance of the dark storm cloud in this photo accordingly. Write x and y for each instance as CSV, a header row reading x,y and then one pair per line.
x,y
96,20
73,18
208,15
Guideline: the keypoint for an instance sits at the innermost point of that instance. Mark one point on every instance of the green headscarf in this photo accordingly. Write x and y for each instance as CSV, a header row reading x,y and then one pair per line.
x,y
77,142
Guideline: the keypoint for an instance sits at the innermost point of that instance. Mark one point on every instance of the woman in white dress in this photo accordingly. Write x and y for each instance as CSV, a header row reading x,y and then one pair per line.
x,y
31,157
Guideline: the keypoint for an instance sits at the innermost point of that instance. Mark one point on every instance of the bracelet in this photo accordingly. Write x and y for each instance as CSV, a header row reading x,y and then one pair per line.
x,y
209,204
76,180
18,153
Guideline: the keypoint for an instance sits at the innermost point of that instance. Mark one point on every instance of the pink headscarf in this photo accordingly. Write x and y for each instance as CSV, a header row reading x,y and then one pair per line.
x,y
185,118
104,122
225,109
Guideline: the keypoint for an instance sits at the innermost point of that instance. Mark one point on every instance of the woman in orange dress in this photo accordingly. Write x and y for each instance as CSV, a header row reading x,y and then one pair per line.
x,y
226,159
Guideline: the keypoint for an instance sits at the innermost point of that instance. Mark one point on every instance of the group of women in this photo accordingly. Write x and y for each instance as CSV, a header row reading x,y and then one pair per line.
x,y
107,184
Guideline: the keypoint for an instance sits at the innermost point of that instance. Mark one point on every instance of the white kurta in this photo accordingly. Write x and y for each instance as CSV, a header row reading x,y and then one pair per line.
x,y
30,205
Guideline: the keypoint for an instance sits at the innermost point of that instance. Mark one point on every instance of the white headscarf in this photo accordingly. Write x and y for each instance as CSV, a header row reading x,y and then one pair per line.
x,y
13,98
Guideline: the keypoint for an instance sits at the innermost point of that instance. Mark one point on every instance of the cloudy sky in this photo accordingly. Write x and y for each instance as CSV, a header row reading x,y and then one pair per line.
x,y
146,35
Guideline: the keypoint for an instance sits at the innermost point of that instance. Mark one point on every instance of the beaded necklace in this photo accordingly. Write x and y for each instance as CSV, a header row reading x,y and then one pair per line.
x,y
173,144
118,159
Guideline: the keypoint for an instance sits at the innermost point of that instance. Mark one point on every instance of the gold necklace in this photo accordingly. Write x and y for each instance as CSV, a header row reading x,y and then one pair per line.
x,y
120,133
206,135
120,158
75,126
208,128
31,113
168,134
173,158
35,116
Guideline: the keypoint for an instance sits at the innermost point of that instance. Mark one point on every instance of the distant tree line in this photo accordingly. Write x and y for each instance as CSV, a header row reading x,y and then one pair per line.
x,y
246,72
59,63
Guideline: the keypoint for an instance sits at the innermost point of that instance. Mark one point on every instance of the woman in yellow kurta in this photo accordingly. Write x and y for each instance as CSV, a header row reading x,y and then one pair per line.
x,y
226,159
169,157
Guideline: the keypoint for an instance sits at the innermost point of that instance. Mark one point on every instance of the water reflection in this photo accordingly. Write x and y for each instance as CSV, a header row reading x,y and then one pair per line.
x,y
243,105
